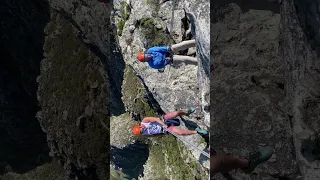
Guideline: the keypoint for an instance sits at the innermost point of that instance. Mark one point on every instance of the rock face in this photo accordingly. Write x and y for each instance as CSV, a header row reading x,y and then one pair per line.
x,y
48,171
84,62
92,18
178,87
300,50
265,87
23,144
74,94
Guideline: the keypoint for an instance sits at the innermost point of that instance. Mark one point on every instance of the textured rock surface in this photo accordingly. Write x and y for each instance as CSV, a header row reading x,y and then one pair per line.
x,y
301,54
265,87
73,82
92,18
48,171
177,89
247,90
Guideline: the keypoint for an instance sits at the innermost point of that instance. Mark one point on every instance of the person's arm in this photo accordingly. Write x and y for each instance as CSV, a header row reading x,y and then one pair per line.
x,y
153,119
158,62
161,49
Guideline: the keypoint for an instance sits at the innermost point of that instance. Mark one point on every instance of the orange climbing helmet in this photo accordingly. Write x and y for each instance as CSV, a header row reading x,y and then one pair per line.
x,y
136,130
141,57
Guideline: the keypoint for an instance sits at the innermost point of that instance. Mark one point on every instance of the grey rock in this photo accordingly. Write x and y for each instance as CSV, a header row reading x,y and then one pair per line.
x,y
81,121
132,28
177,30
300,41
303,135
88,111
294,68
244,77
74,138
191,51
94,85
65,115
273,158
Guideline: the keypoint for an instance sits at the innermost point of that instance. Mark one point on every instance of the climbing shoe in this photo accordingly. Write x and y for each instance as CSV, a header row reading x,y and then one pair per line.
x,y
191,110
201,132
258,157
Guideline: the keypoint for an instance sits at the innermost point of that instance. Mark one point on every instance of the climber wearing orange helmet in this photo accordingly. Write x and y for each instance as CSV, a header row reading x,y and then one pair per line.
x,y
154,126
159,57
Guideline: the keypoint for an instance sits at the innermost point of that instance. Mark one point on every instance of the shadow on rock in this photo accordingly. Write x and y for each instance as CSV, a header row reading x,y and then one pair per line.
x,y
115,68
23,143
311,150
189,124
130,158
177,63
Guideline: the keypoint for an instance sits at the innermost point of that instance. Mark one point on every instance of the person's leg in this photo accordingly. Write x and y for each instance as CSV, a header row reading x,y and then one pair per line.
x,y
258,157
225,163
183,45
173,115
184,58
181,132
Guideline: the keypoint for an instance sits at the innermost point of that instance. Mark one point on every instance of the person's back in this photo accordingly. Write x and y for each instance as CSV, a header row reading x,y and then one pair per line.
x,y
152,128
159,57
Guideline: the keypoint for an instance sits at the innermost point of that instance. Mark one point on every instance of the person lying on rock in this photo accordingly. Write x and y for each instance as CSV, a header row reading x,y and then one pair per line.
x,y
151,126
159,57
225,163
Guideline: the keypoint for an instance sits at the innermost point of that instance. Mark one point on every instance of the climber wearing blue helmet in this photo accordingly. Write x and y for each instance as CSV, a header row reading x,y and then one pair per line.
x,y
159,57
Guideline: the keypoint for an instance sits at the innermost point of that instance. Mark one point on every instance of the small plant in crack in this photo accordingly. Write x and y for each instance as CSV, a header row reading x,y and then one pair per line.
x,y
125,14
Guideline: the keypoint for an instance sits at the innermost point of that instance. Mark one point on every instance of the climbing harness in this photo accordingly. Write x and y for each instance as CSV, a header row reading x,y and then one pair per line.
x,y
193,146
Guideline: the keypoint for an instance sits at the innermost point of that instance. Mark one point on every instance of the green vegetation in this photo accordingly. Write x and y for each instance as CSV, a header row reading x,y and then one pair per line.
x,y
155,4
166,151
120,26
125,13
145,22
154,36
133,95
